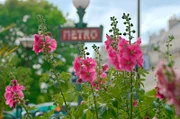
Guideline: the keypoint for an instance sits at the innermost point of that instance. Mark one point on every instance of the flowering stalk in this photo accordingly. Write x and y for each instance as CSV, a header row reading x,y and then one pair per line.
x,y
128,30
131,98
43,43
94,98
26,109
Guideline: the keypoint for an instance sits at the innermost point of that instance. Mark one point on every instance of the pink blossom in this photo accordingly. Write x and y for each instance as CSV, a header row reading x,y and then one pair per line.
x,y
40,45
105,67
127,63
94,84
108,42
89,63
77,65
158,94
88,75
122,45
51,44
103,75
13,94
85,69
79,81
114,58
126,56
138,42
169,84
134,51
135,103
140,61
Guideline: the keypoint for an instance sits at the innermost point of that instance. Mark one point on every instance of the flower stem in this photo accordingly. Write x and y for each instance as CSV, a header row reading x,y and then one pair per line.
x,y
131,99
27,112
94,98
65,101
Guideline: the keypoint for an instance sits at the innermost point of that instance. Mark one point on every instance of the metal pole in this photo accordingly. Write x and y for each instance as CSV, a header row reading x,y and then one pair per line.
x,y
138,30
138,18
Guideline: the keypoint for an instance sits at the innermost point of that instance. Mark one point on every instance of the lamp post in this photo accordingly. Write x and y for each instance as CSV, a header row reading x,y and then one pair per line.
x,y
138,18
81,6
138,29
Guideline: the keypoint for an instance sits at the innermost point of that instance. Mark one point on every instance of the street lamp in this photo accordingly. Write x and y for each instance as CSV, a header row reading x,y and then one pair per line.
x,y
81,6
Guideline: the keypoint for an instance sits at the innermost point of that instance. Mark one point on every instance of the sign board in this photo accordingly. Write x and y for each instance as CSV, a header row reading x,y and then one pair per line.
x,y
90,34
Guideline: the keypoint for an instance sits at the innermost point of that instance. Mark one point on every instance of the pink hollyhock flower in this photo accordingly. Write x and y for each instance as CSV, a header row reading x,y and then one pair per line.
x,y
77,65
105,67
122,45
103,75
108,42
138,42
126,56
169,84
51,44
40,45
140,61
158,94
134,51
85,69
13,93
88,75
127,63
114,58
94,84
89,63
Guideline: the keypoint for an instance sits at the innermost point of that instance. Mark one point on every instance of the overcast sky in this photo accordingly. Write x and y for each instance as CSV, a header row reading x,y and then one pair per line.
x,y
154,14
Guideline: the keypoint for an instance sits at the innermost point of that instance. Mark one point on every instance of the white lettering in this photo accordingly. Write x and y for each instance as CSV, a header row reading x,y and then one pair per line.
x,y
86,35
73,35
93,34
66,34
79,32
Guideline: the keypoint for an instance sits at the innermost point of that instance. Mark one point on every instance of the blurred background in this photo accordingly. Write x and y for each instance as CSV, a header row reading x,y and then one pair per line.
x,y
153,21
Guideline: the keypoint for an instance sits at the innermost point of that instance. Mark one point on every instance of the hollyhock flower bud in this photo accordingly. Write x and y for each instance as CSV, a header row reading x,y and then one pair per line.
x,y
79,81
105,67
135,103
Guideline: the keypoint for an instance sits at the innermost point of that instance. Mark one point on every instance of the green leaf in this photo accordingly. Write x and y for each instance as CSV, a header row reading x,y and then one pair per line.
x,y
65,76
168,109
151,93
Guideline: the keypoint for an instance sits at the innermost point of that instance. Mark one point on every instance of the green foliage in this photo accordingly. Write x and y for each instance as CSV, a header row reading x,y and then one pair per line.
x,y
121,96
21,18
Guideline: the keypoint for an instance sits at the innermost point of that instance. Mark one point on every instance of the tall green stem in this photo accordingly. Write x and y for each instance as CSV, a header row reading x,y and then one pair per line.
x,y
94,98
131,99
65,101
27,112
